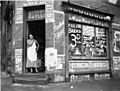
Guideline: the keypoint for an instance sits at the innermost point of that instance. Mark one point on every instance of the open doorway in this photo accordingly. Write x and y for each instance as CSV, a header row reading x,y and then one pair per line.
x,y
37,30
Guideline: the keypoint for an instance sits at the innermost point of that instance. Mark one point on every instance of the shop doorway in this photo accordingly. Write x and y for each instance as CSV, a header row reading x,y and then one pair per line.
x,y
36,28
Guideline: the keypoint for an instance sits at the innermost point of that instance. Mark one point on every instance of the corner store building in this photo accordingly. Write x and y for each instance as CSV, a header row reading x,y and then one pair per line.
x,y
58,37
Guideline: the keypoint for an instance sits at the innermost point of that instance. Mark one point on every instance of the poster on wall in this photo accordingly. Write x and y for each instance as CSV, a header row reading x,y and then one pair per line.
x,y
116,43
84,66
116,63
59,32
49,8
50,59
60,63
18,60
19,15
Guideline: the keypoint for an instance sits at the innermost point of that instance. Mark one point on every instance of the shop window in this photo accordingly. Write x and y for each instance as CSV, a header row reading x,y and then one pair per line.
x,y
87,41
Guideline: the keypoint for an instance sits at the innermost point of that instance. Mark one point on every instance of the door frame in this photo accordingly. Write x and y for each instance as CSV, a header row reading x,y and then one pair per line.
x,y
25,36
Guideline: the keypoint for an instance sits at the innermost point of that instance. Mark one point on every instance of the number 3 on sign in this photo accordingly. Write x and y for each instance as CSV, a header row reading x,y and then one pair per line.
x,y
74,39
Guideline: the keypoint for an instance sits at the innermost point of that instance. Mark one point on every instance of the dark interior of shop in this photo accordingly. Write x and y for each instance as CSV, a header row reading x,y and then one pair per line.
x,y
37,29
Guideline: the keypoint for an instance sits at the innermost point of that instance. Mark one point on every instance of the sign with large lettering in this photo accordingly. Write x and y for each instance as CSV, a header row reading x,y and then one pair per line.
x,y
83,66
18,60
75,39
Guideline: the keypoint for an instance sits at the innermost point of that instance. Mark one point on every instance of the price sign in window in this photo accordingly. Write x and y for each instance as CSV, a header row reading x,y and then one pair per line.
x,y
75,37
101,48
88,40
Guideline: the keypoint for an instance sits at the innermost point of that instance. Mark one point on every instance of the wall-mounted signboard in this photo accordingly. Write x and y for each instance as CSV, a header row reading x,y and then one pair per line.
x,y
85,66
83,19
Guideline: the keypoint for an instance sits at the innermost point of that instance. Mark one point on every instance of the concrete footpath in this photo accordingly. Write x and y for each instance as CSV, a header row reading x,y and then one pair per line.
x,y
92,85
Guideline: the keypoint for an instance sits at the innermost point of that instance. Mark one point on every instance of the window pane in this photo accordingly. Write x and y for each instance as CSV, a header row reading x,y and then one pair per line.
x,y
101,49
88,41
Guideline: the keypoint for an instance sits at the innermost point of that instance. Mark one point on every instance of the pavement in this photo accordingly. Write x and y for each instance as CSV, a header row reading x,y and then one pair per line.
x,y
92,85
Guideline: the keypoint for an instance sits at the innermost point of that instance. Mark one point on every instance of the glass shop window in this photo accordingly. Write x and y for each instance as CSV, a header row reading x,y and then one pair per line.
x,y
87,41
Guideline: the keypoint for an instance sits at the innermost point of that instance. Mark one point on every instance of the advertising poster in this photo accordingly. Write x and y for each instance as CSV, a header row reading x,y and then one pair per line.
x,y
84,66
19,15
116,49
18,60
116,43
116,63
60,63
59,32
50,59
49,11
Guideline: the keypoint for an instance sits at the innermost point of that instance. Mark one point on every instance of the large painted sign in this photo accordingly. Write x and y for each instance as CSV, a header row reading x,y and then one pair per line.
x,y
83,66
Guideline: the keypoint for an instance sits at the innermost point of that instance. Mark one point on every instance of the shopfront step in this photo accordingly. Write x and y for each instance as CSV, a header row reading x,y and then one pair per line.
x,y
37,75
38,79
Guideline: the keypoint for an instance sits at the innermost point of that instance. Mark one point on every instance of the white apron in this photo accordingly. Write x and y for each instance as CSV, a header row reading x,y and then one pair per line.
x,y
31,52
